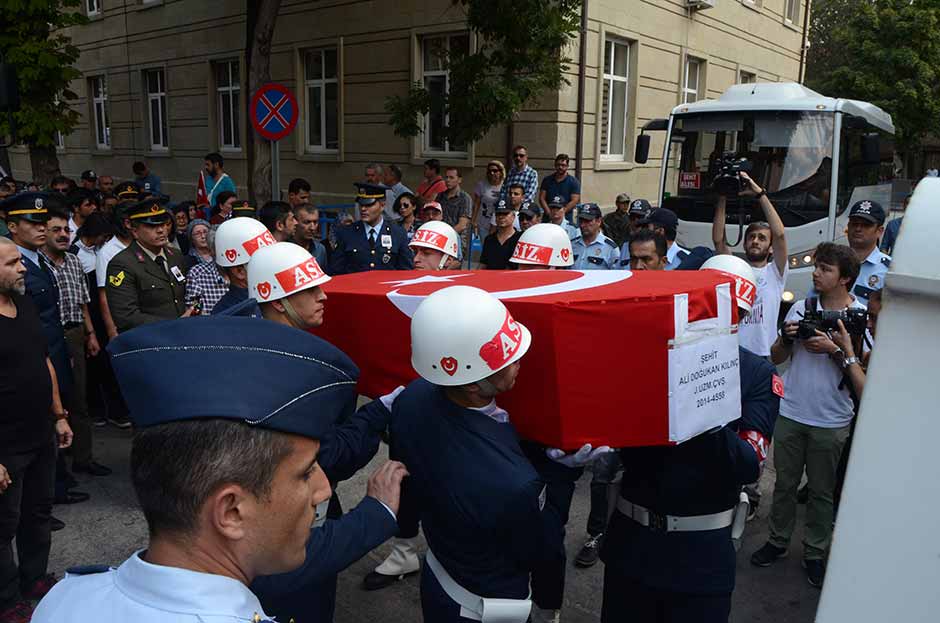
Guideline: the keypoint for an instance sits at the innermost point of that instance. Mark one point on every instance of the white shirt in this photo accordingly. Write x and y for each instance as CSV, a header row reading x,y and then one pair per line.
x,y
105,254
811,393
377,228
758,331
88,256
74,229
142,592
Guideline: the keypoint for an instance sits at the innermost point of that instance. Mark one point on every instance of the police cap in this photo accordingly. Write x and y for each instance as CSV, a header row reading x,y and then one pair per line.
x,y
530,210
89,175
502,206
641,208
33,207
589,211
557,202
367,194
870,211
288,380
661,217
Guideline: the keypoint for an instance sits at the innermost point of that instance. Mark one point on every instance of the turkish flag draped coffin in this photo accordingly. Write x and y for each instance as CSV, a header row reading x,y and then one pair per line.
x,y
617,358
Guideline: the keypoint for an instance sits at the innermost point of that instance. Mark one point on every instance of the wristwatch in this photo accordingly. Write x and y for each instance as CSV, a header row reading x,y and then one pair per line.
x,y
64,415
849,361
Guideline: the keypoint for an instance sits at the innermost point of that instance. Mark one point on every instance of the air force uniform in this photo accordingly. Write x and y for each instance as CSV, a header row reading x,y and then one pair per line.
x,y
297,384
602,253
690,571
361,247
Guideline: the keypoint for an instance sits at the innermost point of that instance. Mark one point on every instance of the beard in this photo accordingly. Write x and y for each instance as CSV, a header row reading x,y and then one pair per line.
x,y
18,286
757,255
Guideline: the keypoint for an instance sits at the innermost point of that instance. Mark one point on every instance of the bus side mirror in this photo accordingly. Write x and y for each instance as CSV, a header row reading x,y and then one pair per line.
x,y
871,149
642,152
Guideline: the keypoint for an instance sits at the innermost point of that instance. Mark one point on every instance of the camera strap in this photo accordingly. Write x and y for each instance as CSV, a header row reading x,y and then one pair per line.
x,y
740,224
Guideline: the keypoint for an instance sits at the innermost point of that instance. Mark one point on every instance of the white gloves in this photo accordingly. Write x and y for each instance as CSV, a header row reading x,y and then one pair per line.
x,y
582,457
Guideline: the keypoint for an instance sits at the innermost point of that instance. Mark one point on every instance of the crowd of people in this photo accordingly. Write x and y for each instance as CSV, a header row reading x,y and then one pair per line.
x,y
88,264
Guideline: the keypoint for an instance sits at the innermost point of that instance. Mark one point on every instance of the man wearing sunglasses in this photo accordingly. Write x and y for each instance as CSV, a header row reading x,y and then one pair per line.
x,y
521,173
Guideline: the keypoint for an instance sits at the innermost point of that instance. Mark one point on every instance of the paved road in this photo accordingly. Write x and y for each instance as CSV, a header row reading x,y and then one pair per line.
x,y
108,528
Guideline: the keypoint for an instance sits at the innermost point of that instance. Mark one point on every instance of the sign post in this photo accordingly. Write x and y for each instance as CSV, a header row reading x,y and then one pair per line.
x,y
274,115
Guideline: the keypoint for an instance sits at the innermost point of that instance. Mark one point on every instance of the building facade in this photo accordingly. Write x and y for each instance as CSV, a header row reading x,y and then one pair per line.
x,y
165,81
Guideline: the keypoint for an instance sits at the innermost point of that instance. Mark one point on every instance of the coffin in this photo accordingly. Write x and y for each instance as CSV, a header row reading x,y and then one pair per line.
x,y
618,358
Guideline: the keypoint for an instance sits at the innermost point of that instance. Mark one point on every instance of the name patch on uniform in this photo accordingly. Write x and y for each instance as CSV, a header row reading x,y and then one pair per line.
x,y
262,240
295,277
178,273
504,344
533,253
116,280
387,241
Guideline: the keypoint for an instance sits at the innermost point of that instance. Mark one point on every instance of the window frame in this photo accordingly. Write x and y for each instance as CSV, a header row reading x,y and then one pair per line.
x,y
791,11
425,149
162,99
102,100
684,90
92,12
752,77
322,83
234,91
613,43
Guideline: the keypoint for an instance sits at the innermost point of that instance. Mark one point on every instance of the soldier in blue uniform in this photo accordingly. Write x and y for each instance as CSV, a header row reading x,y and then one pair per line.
x,y
592,250
228,478
487,514
668,549
866,226
371,243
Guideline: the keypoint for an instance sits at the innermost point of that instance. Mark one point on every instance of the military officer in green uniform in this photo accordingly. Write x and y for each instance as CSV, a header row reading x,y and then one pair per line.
x,y
146,282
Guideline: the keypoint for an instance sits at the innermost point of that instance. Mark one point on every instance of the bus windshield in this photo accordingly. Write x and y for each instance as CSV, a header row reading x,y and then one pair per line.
x,y
789,152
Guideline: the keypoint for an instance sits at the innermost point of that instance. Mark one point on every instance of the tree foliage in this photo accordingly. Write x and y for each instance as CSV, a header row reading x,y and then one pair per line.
x,y
32,41
886,52
519,55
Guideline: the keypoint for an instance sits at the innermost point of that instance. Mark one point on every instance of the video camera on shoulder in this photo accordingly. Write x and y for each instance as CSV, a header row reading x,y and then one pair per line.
x,y
727,182
854,319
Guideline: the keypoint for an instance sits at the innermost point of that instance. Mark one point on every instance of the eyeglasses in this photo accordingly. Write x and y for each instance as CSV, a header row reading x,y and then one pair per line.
x,y
404,205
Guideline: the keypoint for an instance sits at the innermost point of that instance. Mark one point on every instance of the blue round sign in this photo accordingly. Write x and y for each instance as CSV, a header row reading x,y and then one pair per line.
x,y
273,111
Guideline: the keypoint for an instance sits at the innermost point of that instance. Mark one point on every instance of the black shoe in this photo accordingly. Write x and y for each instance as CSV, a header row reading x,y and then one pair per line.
x,y
120,422
588,555
93,468
802,495
377,581
815,572
56,524
767,555
71,497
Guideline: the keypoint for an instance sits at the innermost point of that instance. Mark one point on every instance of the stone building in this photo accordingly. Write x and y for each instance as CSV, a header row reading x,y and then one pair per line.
x,y
164,81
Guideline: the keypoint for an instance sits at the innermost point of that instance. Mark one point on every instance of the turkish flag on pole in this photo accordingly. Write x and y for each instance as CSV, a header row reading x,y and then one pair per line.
x,y
617,358
202,197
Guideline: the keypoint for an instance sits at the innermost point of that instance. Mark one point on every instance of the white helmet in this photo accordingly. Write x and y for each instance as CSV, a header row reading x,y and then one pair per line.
x,y
439,236
282,269
237,239
543,244
744,280
449,348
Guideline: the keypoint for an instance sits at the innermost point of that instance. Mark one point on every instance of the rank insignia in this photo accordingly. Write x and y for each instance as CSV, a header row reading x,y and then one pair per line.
x,y
116,280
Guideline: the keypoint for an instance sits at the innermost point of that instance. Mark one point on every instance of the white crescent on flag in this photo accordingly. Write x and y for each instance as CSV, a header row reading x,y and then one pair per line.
x,y
408,303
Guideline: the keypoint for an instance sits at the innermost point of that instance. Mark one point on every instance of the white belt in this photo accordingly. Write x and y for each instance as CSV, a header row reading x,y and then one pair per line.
x,y
675,523
478,608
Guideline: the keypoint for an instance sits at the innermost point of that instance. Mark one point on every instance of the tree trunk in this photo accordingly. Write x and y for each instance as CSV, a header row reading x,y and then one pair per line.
x,y
44,163
260,37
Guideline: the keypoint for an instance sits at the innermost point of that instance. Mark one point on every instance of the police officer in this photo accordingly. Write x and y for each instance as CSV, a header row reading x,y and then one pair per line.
x,y
666,223
371,243
592,249
556,216
146,281
668,549
866,226
236,240
228,478
486,513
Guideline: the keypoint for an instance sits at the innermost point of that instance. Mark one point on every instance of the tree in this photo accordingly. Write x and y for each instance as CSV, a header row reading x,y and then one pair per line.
x,y
886,52
520,55
32,41
262,17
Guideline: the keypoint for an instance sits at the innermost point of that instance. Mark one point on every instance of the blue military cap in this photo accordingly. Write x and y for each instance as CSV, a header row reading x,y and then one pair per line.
x,y
870,211
589,211
33,206
367,193
253,371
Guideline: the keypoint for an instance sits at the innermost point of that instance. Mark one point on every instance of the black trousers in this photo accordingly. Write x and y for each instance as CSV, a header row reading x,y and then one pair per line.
x,y
628,601
25,508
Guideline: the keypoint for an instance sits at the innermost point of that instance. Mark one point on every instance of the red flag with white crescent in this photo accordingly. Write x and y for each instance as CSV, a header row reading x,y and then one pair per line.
x,y
617,358
202,197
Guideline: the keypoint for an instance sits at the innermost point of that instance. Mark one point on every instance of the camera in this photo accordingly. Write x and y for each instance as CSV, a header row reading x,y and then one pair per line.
x,y
727,182
855,321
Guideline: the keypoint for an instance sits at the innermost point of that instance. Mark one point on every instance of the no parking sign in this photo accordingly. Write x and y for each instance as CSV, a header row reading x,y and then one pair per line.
x,y
274,111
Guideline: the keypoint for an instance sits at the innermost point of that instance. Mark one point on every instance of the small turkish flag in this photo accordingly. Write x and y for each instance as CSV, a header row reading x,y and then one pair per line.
x,y
777,385
202,197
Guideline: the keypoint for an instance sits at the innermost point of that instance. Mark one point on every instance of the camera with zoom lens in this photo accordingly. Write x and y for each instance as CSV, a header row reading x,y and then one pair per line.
x,y
727,182
855,321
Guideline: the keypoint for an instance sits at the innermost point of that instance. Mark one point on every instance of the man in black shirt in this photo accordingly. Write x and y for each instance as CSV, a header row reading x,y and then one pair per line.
x,y
498,246
32,423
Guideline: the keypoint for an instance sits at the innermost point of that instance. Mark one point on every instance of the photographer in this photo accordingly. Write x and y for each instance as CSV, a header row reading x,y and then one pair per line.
x,y
765,248
817,407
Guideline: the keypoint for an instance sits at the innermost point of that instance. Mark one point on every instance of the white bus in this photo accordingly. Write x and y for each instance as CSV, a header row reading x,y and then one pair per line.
x,y
814,155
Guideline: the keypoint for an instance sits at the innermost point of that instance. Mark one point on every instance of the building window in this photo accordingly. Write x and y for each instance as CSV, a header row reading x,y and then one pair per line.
x,y
228,93
692,79
321,113
156,100
436,78
793,11
93,7
747,78
99,98
614,99
58,137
